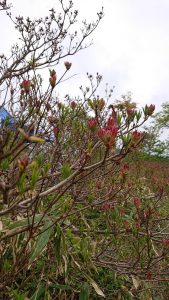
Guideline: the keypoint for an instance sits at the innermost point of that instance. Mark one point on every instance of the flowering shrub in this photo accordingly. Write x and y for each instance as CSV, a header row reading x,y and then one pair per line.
x,y
77,210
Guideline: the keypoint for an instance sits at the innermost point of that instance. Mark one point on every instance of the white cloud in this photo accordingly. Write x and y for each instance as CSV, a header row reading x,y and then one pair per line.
x,y
131,44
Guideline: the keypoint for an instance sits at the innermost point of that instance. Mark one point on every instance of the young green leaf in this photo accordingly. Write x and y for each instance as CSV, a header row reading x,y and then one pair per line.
x,y
42,240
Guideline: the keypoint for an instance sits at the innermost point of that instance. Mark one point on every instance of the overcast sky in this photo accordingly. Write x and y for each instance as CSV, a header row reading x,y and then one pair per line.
x,y
130,47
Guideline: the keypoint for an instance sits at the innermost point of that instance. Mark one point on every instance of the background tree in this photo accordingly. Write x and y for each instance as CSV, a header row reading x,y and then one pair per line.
x,y
162,118
153,145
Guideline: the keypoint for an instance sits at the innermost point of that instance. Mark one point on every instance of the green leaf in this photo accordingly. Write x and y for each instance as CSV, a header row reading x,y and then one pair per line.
x,y
138,115
57,244
5,164
34,178
90,103
119,117
18,296
22,183
90,198
84,292
24,221
46,168
39,293
7,265
66,171
89,146
6,121
42,240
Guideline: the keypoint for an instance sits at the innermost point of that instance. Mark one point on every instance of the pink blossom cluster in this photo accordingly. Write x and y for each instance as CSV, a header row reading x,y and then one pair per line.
x,y
109,133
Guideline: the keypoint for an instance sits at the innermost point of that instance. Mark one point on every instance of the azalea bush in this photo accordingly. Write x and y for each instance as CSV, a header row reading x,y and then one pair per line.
x,y
81,215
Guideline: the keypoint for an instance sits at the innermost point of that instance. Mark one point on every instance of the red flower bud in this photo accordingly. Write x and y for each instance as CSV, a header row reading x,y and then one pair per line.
x,y
23,163
92,124
136,135
165,242
73,104
67,65
101,133
138,224
108,135
124,168
22,92
122,211
130,111
136,201
111,122
52,80
126,224
51,119
149,109
149,275
106,206
147,212
56,131
25,85
52,73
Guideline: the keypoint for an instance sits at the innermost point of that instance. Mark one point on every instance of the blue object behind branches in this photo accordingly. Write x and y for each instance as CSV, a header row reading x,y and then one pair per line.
x,y
6,117
6,120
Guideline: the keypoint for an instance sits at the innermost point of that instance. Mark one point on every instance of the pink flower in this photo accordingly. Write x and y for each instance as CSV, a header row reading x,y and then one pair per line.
x,y
108,136
136,201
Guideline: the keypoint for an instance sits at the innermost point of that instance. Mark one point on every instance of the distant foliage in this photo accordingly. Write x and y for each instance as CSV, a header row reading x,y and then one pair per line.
x,y
162,118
